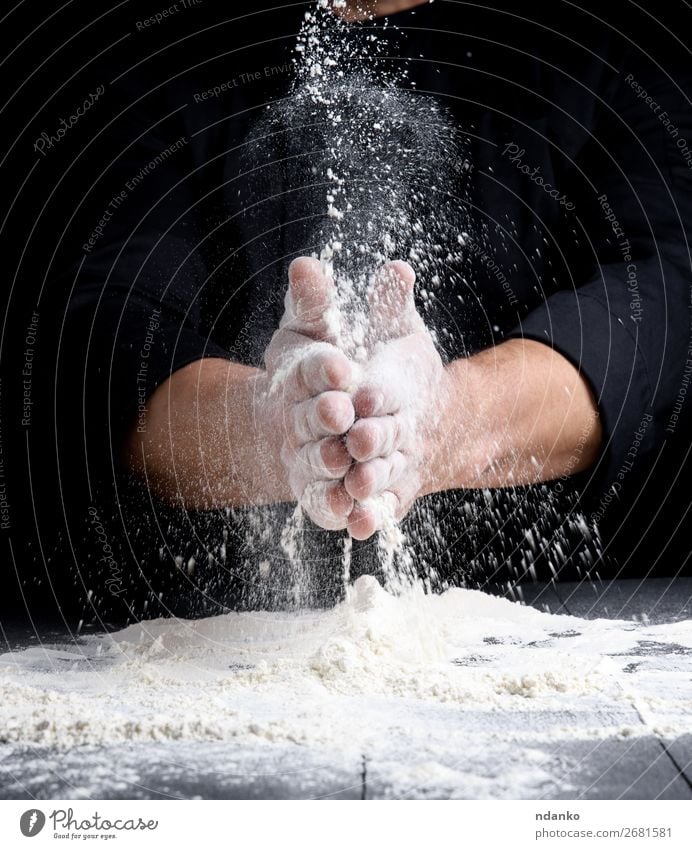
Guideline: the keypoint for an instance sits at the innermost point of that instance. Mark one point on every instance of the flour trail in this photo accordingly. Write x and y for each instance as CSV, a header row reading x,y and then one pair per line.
x,y
364,160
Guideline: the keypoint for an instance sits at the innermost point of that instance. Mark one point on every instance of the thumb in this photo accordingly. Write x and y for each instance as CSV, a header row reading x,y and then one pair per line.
x,y
309,299
392,307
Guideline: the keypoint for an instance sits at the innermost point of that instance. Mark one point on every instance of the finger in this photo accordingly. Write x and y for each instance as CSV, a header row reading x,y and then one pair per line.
x,y
362,522
392,306
328,504
327,368
302,369
330,414
373,437
336,459
310,300
368,480
366,519
376,399
324,460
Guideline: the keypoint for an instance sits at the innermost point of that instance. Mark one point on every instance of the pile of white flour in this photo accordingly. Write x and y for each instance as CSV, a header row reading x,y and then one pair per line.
x,y
352,679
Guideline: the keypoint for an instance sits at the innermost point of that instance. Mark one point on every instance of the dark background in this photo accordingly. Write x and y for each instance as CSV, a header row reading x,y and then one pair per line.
x,y
51,56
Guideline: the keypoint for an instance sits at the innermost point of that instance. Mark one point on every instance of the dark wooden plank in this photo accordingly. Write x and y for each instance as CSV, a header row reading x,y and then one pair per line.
x,y
475,754
635,768
178,771
605,769
541,596
656,600
680,750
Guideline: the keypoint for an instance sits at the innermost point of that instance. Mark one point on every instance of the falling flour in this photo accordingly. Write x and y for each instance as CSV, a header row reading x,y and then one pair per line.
x,y
362,158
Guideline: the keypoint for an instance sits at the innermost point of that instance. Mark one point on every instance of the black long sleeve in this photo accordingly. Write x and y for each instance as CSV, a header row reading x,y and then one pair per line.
x,y
627,326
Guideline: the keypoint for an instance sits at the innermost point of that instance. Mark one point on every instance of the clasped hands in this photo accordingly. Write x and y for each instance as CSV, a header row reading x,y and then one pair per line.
x,y
357,438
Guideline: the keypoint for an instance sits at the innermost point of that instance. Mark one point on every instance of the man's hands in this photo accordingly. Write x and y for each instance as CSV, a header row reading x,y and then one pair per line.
x,y
358,444
347,473
308,380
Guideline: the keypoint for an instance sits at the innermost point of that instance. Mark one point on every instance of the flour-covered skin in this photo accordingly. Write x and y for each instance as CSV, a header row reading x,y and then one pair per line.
x,y
401,391
356,434
306,395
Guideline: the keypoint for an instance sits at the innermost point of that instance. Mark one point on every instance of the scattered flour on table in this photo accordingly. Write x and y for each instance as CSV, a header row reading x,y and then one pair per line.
x,y
352,678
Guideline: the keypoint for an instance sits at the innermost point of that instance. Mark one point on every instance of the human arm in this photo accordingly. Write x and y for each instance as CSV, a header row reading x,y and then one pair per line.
x,y
512,415
623,326
218,433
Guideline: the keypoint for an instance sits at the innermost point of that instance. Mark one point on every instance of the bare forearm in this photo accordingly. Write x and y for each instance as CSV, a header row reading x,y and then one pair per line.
x,y
358,10
516,414
203,446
